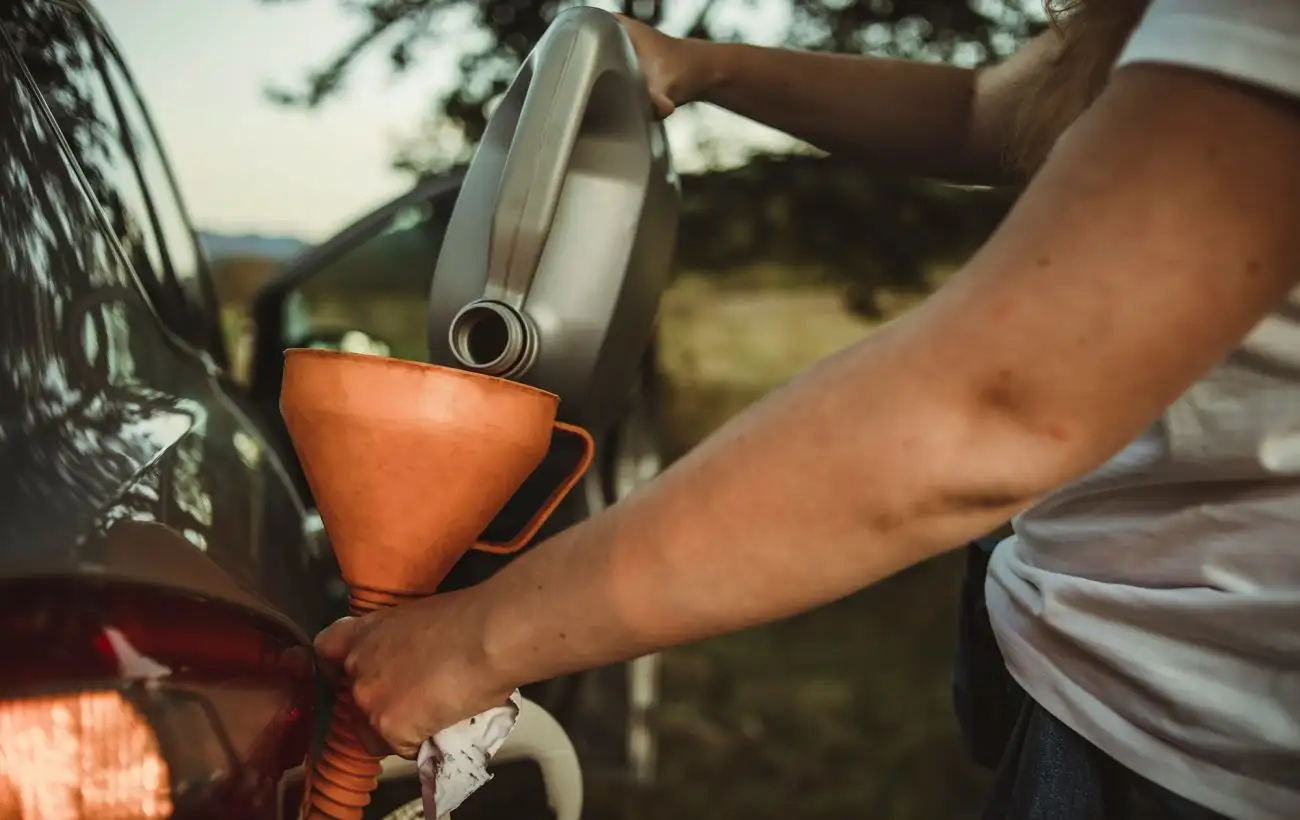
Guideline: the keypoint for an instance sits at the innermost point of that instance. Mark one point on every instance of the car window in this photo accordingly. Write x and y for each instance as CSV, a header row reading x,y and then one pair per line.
x,y
373,297
175,235
100,117
75,325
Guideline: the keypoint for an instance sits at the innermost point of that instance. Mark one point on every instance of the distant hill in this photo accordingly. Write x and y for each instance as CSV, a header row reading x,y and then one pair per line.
x,y
396,263
219,246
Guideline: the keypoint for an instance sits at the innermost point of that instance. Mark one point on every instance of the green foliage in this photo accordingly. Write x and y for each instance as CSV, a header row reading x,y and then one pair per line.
x,y
825,212
493,36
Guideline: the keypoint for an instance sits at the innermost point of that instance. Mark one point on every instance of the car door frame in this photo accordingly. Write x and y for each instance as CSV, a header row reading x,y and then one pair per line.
x,y
267,363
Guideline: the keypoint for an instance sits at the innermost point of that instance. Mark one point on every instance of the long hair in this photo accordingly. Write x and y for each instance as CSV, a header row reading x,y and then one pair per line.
x,y
1091,34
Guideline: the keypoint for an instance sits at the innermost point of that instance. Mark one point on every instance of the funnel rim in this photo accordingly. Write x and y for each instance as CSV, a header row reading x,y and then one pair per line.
x,y
424,367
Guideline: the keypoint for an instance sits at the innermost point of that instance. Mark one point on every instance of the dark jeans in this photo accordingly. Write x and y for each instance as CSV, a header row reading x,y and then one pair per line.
x,y
1044,770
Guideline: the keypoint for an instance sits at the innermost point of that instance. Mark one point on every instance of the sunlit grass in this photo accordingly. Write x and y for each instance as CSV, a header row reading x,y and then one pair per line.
x,y
727,340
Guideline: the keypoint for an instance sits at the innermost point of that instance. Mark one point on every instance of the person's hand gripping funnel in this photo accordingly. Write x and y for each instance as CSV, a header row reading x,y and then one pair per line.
x,y
408,463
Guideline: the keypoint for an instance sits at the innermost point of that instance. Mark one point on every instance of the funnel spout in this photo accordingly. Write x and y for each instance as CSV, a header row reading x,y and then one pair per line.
x,y
491,337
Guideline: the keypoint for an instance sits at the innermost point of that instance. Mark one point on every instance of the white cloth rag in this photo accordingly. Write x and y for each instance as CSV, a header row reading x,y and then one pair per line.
x,y
453,763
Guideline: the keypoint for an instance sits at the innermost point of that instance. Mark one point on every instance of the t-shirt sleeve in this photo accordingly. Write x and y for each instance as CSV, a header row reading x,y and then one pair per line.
x,y
1254,41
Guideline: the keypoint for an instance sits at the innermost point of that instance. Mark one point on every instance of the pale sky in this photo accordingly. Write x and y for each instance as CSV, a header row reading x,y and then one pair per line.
x,y
246,165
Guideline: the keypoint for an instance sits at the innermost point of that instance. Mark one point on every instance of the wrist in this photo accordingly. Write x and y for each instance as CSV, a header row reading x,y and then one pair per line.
x,y
707,68
484,648
503,650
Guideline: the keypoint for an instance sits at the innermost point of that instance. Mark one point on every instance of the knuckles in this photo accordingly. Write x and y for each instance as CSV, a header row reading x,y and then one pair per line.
x,y
386,724
364,696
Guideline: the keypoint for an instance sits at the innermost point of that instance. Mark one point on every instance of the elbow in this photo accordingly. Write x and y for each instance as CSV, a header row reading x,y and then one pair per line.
x,y
1016,449
983,462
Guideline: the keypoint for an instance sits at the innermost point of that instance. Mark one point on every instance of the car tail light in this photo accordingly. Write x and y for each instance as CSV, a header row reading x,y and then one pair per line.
x,y
85,754
170,704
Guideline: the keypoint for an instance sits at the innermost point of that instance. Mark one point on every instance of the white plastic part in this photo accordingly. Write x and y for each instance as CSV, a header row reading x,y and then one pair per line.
x,y
538,737
643,699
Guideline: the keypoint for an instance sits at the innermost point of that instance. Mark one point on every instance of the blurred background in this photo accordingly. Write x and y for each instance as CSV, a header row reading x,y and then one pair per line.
x,y
287,119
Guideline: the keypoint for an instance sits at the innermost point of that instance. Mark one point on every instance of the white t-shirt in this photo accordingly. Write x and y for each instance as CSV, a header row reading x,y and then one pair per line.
x,y
1154,605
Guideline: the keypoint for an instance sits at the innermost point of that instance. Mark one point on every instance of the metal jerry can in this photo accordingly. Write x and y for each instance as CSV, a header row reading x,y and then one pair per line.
x,y
562,239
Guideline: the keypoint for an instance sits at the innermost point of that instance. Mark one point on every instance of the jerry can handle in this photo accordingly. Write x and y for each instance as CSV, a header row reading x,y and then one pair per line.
x,y
561,490
537,162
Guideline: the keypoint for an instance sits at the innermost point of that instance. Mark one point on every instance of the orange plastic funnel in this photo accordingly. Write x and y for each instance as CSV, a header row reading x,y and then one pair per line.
x,y
408,464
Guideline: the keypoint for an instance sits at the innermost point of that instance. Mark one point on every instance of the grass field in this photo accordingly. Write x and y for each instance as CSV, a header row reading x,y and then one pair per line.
x,y
843,712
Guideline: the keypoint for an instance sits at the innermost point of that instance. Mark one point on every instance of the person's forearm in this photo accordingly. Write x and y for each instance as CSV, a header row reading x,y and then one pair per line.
x,y
822,489
898,116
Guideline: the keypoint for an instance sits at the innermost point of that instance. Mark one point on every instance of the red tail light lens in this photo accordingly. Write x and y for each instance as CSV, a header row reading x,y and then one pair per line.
x,y
86,754
212,701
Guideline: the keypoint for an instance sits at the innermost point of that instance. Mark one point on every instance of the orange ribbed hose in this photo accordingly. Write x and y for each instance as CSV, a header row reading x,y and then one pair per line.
x,y
344,775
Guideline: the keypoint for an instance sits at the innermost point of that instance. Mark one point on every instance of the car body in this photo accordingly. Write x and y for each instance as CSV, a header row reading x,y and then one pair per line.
x,y
162,567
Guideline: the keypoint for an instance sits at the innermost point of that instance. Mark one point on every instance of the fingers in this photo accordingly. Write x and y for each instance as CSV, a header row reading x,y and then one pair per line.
x,y
335,641
371,740
663,105
394,735
380,734
376,742
334,646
